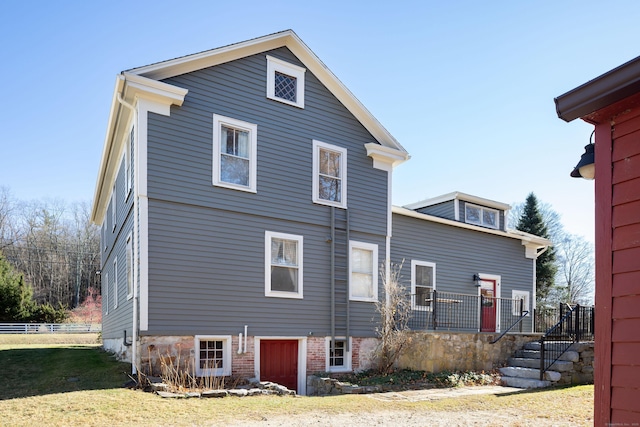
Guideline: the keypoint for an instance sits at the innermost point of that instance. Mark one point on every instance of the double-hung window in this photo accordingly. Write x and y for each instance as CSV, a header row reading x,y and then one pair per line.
x,y
518,296
283,265
107,292
128,163
115,283
329,174
285,82
423,283
129,266
213,355
114,210
363,275
481,216
234,153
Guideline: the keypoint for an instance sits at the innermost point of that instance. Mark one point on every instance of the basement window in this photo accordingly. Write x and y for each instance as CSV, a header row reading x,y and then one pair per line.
x,y
213,355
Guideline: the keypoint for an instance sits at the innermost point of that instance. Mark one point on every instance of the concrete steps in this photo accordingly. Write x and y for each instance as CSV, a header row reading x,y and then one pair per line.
x,y
523,370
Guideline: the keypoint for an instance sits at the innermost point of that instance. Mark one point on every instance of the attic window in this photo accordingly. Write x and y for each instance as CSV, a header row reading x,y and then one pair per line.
x,y
285,82
481,216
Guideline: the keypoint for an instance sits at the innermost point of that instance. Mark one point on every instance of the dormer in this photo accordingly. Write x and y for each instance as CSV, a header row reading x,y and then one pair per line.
x,y
465,208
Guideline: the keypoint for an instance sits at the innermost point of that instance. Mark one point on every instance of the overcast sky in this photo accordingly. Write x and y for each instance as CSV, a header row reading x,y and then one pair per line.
x,y
466,87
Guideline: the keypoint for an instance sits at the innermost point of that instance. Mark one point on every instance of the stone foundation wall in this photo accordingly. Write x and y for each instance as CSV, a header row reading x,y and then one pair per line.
x,y
453,351
179,351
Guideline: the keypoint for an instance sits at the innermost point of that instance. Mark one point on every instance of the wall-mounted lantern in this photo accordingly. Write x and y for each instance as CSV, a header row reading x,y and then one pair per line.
x,y
586,167
476,279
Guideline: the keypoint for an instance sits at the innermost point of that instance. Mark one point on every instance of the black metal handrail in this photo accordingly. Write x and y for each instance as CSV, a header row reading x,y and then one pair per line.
x,y
523,313
575,325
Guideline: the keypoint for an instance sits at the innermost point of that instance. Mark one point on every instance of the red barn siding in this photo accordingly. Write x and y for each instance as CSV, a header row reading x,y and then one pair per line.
x,y
621,230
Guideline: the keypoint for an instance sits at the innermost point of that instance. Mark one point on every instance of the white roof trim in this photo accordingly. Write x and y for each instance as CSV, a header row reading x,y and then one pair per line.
x,y
526,238
289,39
460,196
132,88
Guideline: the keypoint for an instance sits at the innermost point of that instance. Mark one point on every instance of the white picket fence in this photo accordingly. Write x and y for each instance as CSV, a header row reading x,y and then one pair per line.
x,y
49,328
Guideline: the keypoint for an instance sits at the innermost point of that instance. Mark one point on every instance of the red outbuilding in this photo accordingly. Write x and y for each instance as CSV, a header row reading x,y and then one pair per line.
x,y
611,102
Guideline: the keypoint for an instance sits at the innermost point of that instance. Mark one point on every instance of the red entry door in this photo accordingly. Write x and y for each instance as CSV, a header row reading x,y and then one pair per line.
x,y
488,305
279,362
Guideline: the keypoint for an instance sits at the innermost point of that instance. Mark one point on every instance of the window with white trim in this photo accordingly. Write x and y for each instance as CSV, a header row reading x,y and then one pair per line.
x,y
283,265
518,296
479,215
107,285
423,283
363,275
329,174
338,358
129,251
234,153
115,283
213,355
128,163
114,213
285,82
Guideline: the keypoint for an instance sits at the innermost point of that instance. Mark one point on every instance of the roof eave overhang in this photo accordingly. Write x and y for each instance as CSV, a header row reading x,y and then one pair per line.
x,y
131,89
460,196
530,241
289,39
609,88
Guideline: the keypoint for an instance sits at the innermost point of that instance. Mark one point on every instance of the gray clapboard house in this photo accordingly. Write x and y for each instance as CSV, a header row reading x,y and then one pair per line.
x,y
459,244
244,196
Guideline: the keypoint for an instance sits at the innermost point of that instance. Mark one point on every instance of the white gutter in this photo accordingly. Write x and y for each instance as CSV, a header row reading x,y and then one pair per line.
x,y
527,239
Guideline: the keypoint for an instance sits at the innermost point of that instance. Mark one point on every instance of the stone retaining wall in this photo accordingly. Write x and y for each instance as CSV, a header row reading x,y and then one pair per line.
x,y
455,351
582,372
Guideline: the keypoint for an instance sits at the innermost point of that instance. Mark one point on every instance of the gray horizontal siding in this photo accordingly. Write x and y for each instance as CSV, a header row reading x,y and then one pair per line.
x,y
442,210
113,245
459,254
180,147
207,275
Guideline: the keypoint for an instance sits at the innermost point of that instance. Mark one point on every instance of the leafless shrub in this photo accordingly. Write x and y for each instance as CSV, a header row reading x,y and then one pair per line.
x,y
394,308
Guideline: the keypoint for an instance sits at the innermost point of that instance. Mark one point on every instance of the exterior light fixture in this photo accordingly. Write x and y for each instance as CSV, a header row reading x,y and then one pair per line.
x,y
476,279
586,167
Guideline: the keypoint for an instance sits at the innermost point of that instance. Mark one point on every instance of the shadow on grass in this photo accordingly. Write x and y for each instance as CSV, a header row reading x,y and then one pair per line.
x,y
49,370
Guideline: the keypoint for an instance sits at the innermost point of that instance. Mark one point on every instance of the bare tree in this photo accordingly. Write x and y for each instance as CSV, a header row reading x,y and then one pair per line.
x,y
394,308
576,270
55,247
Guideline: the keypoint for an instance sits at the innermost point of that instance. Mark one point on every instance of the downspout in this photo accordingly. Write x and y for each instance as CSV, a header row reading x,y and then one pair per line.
x,y
134,327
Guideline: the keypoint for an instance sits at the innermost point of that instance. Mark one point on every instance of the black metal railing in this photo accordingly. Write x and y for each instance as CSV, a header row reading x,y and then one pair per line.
x,y
437,310
576,324
582,325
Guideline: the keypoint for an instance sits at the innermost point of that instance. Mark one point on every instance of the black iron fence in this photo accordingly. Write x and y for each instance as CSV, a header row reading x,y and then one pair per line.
x,y
448,311
576,323
579,322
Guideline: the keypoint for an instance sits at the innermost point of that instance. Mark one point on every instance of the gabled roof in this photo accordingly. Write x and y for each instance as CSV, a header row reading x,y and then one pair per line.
x,y
146,83
459,196
186,64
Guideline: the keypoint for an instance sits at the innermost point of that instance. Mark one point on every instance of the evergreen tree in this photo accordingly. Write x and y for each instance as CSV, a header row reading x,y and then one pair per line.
x,y
16,298
531,222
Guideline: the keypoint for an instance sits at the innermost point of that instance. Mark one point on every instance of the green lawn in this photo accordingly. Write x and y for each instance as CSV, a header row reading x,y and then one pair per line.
x,y
78,384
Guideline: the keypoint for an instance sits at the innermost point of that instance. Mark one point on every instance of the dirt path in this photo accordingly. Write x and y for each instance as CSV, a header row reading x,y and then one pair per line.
x,y
506,417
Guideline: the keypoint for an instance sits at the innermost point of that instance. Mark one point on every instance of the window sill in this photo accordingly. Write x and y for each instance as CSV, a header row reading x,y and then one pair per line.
x,y
235,187
330,203
277,294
